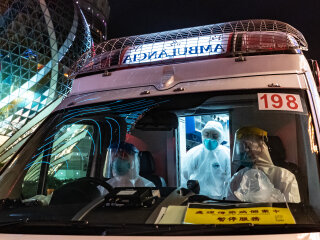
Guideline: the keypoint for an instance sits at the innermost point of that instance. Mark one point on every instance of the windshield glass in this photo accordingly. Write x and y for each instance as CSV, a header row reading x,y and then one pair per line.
x,y
202,158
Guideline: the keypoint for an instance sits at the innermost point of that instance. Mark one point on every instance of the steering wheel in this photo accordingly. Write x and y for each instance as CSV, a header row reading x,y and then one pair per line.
x,y
82,190
97,181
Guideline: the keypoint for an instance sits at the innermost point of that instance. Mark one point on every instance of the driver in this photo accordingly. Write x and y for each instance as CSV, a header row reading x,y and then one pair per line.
x,y
257,179
125,167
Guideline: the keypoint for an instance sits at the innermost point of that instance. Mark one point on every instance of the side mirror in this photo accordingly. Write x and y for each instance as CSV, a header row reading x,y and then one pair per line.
x,y
316,72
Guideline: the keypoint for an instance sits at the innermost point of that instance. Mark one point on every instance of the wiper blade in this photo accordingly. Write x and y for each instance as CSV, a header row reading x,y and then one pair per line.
x,y
203,198
14,222
51,223
27,226
49,227
10,203
226,229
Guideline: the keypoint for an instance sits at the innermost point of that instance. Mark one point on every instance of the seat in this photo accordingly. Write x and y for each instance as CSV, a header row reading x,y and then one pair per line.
x,y
278,154
147,169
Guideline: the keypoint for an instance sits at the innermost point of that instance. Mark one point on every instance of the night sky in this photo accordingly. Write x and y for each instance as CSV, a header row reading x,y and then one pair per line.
x,y
132,17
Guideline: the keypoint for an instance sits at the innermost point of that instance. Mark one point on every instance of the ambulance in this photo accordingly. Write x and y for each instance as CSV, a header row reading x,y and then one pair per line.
x,y
209,132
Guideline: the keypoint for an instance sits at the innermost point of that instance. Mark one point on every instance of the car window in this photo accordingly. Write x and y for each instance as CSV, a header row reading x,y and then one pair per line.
x,y
63,158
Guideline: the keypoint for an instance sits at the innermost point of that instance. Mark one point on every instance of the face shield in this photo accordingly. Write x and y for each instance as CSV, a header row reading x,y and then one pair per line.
x,y
249,146
122,161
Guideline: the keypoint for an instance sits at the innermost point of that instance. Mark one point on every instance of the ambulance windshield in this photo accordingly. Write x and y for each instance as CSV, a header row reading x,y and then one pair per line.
x,y
206,158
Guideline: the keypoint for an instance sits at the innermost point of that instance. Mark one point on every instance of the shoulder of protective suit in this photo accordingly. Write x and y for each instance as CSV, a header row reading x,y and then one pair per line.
x,y
195,149
224,149
286,174
143,182
240,173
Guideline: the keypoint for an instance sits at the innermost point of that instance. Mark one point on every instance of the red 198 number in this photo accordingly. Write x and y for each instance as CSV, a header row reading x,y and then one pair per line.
x,y
291,102
277,101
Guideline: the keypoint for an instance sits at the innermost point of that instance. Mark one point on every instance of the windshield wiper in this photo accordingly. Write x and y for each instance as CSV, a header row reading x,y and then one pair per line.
x,y
203,198
10,203
227,229
50,223
28,226
14,222
50,227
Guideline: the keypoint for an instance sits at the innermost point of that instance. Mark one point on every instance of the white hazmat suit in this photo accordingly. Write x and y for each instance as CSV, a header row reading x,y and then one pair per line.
x,y
259,180
125,166
209,162
132,177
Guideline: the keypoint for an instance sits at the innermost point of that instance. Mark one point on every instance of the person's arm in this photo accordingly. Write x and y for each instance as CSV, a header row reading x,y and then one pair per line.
x,y
227,173
291,190
187,167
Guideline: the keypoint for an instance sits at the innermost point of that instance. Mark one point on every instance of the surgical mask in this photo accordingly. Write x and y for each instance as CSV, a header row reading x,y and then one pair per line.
x,y
210,144
121,167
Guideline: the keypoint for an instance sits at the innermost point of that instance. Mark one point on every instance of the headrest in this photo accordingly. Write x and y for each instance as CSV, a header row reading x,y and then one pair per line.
x,y
124,146
276,150
146,162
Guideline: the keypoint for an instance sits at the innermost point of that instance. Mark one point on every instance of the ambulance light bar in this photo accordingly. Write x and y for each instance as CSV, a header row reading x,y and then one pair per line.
x,y
217,40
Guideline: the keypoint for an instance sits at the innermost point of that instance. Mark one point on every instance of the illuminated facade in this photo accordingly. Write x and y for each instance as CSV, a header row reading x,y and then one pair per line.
x,y
96,13
39,42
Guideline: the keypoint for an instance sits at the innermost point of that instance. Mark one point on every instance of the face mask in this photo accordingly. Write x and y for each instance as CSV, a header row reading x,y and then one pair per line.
x,y
121,167
210,144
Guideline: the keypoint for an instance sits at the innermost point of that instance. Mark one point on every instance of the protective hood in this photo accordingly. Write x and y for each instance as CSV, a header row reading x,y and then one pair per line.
x,y
250,148
213,128
264,158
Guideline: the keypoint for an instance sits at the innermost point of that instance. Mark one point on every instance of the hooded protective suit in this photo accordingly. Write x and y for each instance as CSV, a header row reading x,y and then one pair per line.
x,y
125,166
209,162
258,179
126,173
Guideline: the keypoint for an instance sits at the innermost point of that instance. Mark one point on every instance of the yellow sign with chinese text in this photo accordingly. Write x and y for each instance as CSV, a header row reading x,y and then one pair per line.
x,y
255,215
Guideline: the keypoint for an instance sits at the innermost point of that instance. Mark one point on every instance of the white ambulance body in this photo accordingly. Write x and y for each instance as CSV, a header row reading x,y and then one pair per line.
x,y
125,155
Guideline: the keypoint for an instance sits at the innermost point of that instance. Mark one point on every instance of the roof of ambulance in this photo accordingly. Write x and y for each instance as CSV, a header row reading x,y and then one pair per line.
x,y
212,52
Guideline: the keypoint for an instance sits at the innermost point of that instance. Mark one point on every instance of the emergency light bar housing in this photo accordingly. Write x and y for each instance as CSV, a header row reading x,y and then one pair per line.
x,y
217,40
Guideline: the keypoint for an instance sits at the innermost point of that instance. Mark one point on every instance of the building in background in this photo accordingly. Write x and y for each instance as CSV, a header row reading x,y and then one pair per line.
x,y
96,13
39,42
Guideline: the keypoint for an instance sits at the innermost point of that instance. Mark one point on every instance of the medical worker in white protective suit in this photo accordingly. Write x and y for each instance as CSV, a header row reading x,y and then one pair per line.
x,y
257,179
125,166
209,162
